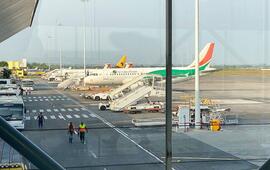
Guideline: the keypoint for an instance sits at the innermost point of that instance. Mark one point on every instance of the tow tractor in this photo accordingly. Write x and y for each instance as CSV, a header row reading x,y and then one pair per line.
x,y
149,107
104,106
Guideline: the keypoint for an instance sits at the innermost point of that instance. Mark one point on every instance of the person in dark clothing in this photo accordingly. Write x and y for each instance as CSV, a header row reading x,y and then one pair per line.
x,y
71,131
40,120
21,90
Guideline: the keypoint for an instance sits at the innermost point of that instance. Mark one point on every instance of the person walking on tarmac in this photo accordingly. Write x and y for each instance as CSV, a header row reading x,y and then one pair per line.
x,y
82,130
40,120
71,131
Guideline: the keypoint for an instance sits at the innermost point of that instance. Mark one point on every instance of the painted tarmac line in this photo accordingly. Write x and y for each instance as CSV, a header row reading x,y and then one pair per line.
x,y
77,116
68,116
85,116
92,153
53,117
61,116
92,115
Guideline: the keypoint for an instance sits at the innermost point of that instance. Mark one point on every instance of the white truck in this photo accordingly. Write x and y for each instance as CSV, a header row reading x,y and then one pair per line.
x,y
100,96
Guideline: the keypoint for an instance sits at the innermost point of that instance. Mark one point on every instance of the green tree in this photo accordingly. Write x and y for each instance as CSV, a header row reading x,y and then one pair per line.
x,y
3,64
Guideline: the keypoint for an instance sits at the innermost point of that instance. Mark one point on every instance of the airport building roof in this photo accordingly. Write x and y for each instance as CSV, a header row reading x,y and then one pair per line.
x,y
15,15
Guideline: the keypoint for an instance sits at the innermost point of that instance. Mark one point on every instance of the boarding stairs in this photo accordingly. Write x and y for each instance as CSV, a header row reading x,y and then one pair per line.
x,y
125,87
72,81
133,91
131,98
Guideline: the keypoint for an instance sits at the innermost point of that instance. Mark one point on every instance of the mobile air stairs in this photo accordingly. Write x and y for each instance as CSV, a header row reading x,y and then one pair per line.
x,y
131,92
73,80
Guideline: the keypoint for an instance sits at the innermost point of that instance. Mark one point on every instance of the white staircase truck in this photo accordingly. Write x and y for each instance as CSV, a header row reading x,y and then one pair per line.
x,y
73,80
130,93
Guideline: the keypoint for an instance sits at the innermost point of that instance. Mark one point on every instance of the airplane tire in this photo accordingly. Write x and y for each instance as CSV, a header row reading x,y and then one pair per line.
x,y
97,98
102,108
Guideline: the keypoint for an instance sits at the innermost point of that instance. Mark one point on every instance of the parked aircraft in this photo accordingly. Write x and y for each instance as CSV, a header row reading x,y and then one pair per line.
x,y
67,72
121,76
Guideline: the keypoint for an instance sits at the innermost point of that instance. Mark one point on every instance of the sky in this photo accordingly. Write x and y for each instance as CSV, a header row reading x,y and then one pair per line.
x,y
136,28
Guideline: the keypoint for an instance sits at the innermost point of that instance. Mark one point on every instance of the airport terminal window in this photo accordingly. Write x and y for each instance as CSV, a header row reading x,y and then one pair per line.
x,y
126,124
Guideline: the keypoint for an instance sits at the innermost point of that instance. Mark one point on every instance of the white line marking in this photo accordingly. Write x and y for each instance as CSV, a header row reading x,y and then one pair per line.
x,y
76,109
30,100
63,109
68,116
44,96
52,99
92,115
62,99
69,109
56,99
27,118
46,99
83,108
41,100
27,111
39,96
45,117
77,116
34,97
53,117
92,153
49,110
41,110
116,129
61,116
56,110
36,100
34,111
35,117
84,115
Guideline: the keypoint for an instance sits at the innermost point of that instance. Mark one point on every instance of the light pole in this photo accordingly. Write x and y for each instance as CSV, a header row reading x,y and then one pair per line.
x,y
60,53
168,128
84,40
49,37
197,71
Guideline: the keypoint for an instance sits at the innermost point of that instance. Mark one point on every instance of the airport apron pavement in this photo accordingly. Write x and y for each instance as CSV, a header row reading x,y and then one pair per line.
x,y
108,146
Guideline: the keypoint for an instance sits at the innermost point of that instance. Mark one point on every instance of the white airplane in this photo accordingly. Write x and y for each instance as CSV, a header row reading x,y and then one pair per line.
x,y
121,76
68,72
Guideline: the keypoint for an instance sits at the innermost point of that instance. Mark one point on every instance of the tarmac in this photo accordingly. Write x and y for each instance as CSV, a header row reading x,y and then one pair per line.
x,y
114,143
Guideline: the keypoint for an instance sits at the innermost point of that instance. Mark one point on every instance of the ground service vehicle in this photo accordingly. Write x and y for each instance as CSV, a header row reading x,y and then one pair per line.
x,y
103,106
149,107
27,84
100,96
12,109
